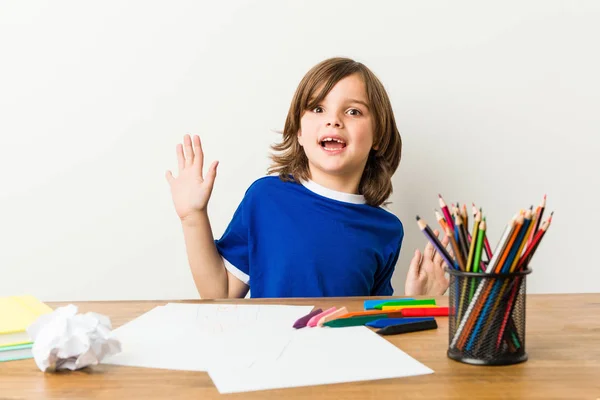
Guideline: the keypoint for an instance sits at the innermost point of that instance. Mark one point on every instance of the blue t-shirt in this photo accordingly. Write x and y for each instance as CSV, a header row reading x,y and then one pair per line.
x,y
289,239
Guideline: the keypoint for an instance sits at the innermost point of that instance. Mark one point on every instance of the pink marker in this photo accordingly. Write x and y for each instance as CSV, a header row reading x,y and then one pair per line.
x,y
332,316
314,320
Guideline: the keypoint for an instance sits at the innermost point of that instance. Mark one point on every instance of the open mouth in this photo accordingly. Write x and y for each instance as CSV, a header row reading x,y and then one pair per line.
x,y
332,144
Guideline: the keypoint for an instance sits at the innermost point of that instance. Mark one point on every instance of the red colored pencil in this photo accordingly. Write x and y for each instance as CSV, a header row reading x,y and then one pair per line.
x,y
526,257
539,212
446,212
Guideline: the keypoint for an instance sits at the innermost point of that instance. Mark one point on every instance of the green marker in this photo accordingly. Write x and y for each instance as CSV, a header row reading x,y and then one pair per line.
x,y
353,321
424,302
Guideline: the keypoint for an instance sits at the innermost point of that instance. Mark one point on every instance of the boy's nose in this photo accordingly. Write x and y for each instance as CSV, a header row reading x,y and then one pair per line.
x,y
334,123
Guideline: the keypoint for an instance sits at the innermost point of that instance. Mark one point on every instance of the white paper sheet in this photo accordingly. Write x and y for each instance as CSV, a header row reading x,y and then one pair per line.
x,y
316,356
198,336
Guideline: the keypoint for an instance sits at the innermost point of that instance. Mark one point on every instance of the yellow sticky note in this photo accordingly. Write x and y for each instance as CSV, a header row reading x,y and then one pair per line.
x,y
18,312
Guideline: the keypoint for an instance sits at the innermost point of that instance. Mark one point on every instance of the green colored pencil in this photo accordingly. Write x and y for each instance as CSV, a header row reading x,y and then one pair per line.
x,y
479,246
470,267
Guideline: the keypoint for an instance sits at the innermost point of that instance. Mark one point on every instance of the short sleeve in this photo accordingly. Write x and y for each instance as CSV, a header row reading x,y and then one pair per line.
x,y
383,277
233,245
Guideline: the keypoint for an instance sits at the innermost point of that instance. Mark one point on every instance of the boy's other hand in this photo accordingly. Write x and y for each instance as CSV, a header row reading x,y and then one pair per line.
x,y
426,275
190,190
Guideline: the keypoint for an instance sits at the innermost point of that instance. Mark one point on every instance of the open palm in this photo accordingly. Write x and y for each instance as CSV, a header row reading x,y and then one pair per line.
x,y
190,190
426,275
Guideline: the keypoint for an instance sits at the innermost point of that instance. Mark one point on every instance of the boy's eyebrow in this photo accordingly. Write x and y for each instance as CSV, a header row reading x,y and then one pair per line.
x,y
312,99
359,102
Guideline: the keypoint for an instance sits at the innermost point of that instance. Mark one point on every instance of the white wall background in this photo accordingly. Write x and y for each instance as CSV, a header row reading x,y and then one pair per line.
x,y
497,103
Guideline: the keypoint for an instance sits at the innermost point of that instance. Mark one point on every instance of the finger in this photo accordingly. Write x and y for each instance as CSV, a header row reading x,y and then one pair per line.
x,y
440,262
437,260
450,249
437,235
169,177
199,158
180,157
415,265
442,282
429,251
189,152
211,174
439,273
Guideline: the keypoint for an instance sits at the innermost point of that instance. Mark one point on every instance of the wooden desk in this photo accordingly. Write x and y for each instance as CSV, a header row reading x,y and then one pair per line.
x,y
563,343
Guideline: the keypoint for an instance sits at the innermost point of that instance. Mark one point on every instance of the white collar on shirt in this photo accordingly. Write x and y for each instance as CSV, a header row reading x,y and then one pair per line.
x,y
333,194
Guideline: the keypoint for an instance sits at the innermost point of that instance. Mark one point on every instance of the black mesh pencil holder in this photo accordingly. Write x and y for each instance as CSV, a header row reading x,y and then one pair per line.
x,y
487,317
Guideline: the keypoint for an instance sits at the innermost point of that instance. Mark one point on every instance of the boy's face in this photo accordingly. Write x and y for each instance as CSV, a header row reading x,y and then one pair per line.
x,y
337,135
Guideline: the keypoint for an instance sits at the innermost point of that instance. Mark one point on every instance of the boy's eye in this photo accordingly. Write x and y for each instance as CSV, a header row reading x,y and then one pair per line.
x,y
318,109
354,111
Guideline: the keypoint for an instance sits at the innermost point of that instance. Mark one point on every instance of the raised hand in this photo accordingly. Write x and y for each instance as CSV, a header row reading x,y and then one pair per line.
x,y
190,190
426,276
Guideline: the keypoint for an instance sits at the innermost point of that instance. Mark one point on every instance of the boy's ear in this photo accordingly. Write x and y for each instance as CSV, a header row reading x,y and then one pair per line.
x,y
375,145
300,137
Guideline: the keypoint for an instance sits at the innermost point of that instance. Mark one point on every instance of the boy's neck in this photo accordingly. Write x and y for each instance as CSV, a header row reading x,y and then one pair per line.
x,y
338,183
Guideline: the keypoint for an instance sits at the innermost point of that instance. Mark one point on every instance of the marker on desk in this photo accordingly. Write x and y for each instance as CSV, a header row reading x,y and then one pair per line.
x,y
382,323
406,328
352,321
373,312
425,312
406,303
332,316
301,323
370,304
312,322
397,308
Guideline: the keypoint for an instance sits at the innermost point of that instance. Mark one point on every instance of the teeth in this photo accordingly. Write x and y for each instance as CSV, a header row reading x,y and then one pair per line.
x,y
326,149
332,140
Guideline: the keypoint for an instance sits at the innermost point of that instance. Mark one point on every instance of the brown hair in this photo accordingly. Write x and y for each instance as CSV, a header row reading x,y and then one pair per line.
x,y
291,163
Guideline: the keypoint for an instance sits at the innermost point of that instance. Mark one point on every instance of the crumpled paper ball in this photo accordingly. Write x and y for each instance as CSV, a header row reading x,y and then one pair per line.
x,y
64,339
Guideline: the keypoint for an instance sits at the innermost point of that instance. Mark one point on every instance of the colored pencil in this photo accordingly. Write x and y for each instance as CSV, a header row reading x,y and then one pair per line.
x,y
486,243
465,215
435,242
511,302
441,220
485,303
500,286
500,248
479,245
456,250
540,214
490,295
516,245
462,239
446,212
496,268
526,257
470,266
484,323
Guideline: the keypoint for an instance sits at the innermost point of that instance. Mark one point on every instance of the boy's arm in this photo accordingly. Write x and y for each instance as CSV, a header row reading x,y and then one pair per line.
x,y
212,279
